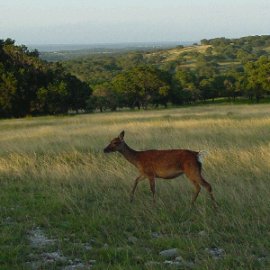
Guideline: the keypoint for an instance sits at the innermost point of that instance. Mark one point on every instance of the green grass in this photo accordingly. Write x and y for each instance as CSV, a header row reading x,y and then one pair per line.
x,y
54,175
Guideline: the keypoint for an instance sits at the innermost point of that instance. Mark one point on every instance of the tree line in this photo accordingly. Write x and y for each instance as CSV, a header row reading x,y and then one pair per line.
x,y
221,67
144,86
227,68
30,86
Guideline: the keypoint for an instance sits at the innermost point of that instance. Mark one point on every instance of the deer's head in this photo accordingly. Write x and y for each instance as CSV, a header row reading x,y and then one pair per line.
x,y
116,144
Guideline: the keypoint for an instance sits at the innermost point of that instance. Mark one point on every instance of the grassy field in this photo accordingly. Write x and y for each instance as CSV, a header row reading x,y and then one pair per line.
x,y
172,54
65,204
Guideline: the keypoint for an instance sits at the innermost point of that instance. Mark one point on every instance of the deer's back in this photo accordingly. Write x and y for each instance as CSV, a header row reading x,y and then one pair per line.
x,y
166,163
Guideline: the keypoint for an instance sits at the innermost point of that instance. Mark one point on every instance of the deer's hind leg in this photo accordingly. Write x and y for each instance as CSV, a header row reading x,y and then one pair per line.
x,y
194,175
208,187
196,192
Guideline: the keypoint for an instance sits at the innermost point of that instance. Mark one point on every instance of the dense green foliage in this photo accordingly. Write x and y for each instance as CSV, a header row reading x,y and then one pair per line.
x,y
217,68
30,86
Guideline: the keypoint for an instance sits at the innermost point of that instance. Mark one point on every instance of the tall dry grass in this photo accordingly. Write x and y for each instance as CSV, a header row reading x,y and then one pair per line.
x,y
54,175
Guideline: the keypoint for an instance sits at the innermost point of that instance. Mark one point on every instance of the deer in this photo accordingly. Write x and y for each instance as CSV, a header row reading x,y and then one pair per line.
x,y
164,164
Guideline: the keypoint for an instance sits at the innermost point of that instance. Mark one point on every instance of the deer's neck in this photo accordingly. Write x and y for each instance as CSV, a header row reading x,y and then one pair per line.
x,y
129,154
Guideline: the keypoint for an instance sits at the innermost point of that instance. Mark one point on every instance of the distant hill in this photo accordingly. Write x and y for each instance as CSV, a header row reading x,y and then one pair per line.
x,y
219,53
224,52
214,68
62,52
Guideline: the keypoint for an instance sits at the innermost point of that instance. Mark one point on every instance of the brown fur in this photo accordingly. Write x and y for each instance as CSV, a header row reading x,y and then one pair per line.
x,y
166,164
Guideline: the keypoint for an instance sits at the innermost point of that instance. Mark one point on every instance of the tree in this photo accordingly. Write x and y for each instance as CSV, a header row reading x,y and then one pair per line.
x,y
229,87
184,77
104,96
53,99
79,93
141,86
258,77
185,87
8,89
207,87
31,86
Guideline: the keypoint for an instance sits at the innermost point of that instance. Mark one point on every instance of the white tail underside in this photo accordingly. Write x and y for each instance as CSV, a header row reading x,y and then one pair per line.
x,y
202,155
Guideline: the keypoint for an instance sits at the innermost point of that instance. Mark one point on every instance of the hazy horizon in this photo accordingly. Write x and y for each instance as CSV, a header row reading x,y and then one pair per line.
x,y
114,22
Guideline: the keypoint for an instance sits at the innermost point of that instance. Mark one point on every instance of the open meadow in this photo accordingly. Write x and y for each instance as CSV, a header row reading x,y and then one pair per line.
x,y
64,204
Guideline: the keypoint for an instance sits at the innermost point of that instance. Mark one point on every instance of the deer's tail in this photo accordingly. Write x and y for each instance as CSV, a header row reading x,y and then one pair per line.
x,y
201,155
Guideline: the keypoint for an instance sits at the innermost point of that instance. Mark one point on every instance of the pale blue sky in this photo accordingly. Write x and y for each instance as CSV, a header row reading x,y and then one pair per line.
x,y
117,21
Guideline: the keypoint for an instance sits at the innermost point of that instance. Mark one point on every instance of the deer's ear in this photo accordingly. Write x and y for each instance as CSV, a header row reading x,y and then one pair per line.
x,y
121,135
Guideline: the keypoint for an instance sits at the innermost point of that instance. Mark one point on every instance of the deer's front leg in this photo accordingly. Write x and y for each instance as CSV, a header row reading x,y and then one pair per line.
x,y
137,180
152,182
